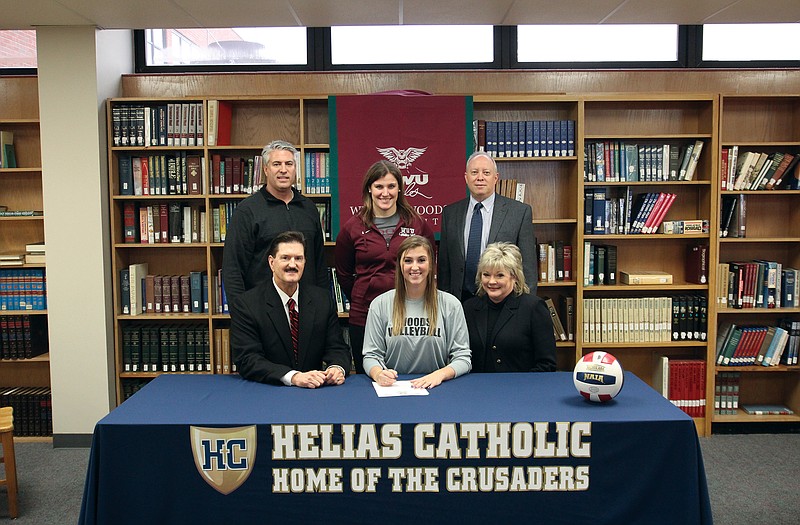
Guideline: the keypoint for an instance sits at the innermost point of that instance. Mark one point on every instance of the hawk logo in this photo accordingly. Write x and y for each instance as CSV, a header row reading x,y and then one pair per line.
x,y
403,160
224,457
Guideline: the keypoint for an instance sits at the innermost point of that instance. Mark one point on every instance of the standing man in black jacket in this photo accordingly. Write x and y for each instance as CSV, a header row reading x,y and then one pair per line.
x,y
277,207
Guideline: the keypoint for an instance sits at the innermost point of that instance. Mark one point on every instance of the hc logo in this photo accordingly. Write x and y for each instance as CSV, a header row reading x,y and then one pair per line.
x,y
226,454
224,457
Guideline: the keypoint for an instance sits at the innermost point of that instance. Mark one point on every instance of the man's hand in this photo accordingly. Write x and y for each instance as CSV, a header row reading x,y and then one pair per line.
x,y
310,379
334,376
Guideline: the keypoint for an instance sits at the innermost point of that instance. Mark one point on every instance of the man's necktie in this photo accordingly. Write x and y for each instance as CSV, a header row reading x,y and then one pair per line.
x,y
294,325
473,248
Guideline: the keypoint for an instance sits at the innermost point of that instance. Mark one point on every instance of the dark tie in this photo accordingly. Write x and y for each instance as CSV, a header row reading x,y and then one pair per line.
x,y
473,248
294,325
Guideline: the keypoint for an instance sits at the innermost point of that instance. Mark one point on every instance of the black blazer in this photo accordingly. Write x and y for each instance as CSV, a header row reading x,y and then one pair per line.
x,y
511,222
261,341
522,340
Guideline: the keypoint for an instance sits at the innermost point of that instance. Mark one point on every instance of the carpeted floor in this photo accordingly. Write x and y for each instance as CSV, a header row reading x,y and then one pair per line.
x,y
752,479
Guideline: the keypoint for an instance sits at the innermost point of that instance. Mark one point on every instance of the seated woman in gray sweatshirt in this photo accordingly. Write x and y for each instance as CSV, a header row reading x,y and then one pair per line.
x,y
415,328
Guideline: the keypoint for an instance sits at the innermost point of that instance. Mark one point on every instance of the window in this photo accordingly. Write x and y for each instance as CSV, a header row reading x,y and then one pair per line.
x,y
597,43
226,46
365,45
17,49
748,42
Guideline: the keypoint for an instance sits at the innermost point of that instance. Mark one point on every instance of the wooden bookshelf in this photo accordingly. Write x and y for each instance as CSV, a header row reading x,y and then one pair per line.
x,y
555,190
761,123
677,120
255,121
21,190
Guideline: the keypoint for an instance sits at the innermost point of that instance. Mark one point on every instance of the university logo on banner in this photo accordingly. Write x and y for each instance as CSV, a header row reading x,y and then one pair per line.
x,y
224,457
425,136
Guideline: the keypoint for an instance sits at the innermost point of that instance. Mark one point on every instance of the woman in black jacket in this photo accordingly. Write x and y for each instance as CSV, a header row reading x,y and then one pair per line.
x,y
509,329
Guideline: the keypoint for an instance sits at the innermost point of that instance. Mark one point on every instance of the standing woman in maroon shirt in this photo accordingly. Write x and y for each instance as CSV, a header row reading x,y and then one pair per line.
x,y
366,247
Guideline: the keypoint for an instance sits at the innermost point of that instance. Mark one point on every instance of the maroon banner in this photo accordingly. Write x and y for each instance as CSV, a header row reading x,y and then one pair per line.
x,y
424,135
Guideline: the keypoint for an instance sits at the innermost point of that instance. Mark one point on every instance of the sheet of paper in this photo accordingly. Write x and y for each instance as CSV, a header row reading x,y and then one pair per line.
x,y
399,388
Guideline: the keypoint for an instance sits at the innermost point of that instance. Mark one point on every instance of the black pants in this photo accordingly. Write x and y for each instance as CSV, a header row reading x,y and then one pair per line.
x,y
356,344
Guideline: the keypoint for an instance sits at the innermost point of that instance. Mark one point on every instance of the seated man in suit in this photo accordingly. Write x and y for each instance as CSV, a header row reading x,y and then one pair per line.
x,y
283,331
481,219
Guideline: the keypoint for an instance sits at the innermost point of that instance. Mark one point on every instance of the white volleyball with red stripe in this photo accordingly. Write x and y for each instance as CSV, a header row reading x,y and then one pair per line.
x,y
598,376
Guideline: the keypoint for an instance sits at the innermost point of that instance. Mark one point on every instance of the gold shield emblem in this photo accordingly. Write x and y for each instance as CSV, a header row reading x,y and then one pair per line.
x,y
224,457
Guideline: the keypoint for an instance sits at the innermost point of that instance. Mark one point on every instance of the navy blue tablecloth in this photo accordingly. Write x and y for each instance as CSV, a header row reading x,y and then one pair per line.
x,y
483,447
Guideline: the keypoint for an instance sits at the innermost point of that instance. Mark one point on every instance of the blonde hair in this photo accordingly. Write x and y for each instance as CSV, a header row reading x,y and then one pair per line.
x,y
431,296
505,256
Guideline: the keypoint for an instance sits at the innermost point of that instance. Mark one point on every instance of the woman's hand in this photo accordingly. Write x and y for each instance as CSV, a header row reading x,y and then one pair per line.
x,y
434,378
384,377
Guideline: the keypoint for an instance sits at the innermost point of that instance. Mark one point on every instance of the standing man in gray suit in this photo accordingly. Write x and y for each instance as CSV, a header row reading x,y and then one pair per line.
x,y
481,219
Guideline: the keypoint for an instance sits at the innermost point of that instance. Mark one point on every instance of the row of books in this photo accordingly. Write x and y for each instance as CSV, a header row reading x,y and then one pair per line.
x,y
599,264
131,385
683,383
220,114
173,124
172,222
511,188
8,156
563,317
235,175
758,345
555,261
167,174
142,292
220,219
733,216
33,409
753,170
619,161
627,214
645,319
34,254
23,289
22,336
757,284
165,348
317,176
339,297
223,359
726,393
529,138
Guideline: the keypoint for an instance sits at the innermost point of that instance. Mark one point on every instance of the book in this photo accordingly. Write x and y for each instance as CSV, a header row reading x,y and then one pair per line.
x,y
8,158
558,327
694,158
137,274
767,409
645,277
697,264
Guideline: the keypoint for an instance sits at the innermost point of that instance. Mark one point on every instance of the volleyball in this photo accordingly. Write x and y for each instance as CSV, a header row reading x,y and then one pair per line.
x,y
598,376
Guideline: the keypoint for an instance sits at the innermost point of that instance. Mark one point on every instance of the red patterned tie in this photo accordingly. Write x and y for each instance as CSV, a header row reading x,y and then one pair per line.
x,y
294,324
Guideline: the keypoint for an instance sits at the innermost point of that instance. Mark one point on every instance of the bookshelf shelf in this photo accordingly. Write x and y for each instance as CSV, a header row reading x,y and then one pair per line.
x,y
743,417
25,312
10,171
765,311
163,197
648,344
760,369
23,218
646,136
